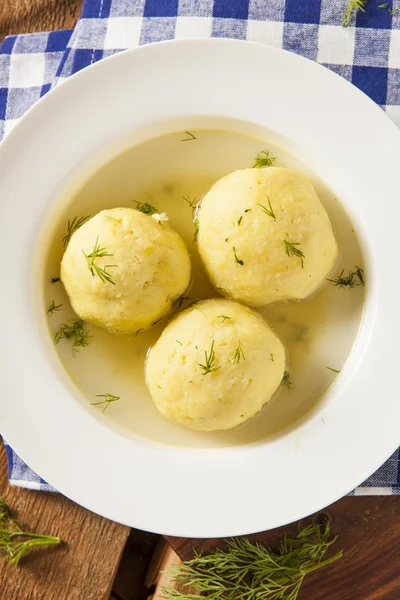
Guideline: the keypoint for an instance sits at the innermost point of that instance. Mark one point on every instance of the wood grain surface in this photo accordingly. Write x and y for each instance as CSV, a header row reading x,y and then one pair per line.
x,y
83,568
26,16
369,530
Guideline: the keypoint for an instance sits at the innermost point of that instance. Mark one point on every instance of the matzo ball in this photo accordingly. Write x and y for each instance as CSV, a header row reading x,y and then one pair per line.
x,y
214,366
264,236
123,270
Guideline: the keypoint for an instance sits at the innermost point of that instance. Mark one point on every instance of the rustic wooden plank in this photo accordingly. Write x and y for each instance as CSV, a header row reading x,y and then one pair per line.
x,y
26,16
83,568
129,583
370,537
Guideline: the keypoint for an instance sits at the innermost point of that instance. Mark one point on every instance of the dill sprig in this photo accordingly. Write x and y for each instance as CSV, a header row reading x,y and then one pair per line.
x,y
240,220
291,250
179,301
238,260
209,365
353,6
251,571
239,354
268,211
108,398
96,253
333,370
75,331
223,318
196,230
271,357
54,307
14,541
190,137
192,202
146,208
55,279
286,380
264,159
353,279
72,227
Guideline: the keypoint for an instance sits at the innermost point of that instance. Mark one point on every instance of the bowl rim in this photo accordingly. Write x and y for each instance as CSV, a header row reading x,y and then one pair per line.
x,y
309,104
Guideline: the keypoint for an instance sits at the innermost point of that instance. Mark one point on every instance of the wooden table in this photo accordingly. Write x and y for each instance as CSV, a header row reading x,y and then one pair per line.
x,y
26,16
86,566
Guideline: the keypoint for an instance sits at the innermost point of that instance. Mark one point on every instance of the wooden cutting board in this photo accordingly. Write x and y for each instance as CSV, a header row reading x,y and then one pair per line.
x,y
83,568
369,530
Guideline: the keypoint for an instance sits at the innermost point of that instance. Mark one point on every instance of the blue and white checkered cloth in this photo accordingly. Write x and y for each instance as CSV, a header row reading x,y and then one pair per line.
x,y
367,53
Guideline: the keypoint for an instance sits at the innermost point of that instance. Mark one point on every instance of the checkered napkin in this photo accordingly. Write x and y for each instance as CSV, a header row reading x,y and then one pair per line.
x,y
367,53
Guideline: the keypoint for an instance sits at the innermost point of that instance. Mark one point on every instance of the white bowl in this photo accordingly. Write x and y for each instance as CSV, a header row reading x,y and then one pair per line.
x,y
347,140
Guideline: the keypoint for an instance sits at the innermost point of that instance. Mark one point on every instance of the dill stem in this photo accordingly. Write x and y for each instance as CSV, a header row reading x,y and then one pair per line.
x,y
323,563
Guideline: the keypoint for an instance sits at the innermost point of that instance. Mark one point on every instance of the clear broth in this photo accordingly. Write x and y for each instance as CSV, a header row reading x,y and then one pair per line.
x,y
318,333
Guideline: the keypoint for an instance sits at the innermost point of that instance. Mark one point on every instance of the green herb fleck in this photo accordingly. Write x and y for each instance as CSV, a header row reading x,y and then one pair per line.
x,y
240,220
54,307
271,357
209,365
196,230
55,279
353,279
178,342
394,11
75,331
190,138
291,250
108,398
239,262
223,318
263,159
334,370
248,570
157,322
96,253
138,331
15,542
239,354
248,210
72,227
146,208
268,211
352,6
286,380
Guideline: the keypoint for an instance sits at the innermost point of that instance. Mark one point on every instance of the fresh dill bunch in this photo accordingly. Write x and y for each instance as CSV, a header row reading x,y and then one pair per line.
x,y
14,541
190,137
209,365
264,159
239,354
146,208
96,253
108,398
353,6
55,279
72,227
291,250
54,307
251,571
75,331
286,380
238,260
353,279
196,230
224,318
268,211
